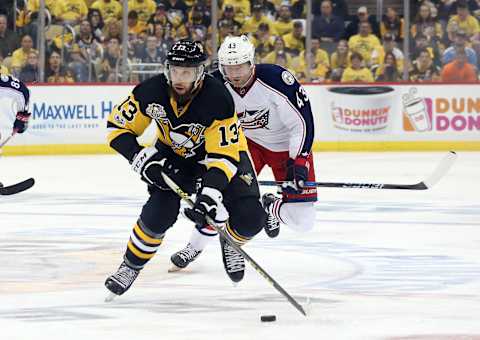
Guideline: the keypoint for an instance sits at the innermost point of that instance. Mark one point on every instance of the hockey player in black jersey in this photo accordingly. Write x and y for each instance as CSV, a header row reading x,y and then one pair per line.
x,y
198,141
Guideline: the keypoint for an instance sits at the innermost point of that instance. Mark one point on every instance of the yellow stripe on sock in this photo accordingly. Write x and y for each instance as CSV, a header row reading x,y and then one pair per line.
x,y
138,253
145,237
241,240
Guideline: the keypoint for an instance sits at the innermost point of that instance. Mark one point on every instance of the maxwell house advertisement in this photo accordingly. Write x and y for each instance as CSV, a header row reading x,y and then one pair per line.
x,y
67,114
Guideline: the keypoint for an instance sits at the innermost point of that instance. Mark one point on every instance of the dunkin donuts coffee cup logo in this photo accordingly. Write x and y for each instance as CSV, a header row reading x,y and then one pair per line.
x,y
417,112
362,109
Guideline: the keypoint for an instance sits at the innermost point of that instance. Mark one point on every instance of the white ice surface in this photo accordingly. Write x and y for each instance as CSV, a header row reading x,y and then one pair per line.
x,y
379,264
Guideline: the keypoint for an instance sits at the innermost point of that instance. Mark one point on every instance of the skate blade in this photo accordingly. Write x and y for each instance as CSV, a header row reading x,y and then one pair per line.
x,y
174,269
110,297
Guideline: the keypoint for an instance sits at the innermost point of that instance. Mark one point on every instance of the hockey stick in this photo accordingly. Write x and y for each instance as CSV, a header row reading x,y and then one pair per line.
x,y
441,169
18,187
183,195
6,140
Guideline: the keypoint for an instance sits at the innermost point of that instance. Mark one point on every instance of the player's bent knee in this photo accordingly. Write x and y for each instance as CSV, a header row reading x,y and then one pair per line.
x,y
247,217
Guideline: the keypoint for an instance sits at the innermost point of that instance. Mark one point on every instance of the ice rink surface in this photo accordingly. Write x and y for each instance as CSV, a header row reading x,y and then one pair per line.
x,y
379,264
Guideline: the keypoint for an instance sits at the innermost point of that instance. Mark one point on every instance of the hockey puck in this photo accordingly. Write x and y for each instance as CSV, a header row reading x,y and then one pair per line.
x,y
268,318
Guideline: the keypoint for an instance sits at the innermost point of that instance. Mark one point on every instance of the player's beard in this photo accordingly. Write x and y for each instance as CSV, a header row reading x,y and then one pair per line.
x,y
182,99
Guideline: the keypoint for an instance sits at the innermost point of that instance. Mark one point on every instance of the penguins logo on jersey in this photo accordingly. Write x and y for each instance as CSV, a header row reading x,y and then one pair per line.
x,y
156,111
254,119
183,139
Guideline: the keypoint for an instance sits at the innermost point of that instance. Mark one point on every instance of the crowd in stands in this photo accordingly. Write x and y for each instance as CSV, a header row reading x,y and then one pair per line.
x,y
84,38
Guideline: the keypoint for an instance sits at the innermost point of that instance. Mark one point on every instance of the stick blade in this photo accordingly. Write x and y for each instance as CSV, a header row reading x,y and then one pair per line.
x,y
18,187
442,168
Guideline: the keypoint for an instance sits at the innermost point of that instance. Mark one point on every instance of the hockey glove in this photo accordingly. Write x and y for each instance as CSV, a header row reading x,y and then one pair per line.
x,y
21,122
207,202
150,164
297,174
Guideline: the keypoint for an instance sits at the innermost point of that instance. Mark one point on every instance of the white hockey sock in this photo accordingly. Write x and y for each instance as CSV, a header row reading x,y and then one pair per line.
x,y
297,216
200,238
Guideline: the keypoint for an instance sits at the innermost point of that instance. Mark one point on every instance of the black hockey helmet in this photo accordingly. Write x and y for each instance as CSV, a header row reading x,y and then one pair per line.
x,y
186,53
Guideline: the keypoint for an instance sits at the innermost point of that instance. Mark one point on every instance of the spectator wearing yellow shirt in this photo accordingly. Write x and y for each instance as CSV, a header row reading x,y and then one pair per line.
x,y
389,45
20,55
34,6
112,29
109,9
284,24
364,42
242,9
72,11
258,17
357,73
340,59
144,9
278,48
388,71
263,41
463,21
134,25
281,58
295,41
320,63
3,68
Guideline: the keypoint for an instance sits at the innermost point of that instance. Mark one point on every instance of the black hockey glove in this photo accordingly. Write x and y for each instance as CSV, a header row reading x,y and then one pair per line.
x,y
208,202
21,122
297,174
150,164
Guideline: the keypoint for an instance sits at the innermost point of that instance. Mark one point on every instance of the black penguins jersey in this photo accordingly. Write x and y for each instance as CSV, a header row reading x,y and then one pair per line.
x,y
204,130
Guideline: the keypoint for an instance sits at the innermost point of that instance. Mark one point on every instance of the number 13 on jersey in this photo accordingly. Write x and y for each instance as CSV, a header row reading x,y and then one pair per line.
x,y
229,134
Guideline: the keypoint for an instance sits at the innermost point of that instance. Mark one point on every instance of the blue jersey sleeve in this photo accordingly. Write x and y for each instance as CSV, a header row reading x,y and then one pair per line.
x,y
282,81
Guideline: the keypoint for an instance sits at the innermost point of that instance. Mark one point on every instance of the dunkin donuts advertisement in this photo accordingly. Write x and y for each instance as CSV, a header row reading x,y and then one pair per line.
x,y
396,112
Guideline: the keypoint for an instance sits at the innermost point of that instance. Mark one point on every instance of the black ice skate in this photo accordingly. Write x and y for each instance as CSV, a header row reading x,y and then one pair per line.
x,y
183,258
119,282
272,227
233,261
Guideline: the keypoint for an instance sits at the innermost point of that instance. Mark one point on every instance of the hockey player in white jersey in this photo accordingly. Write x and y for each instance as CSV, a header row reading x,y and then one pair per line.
x,y
18,93
275,114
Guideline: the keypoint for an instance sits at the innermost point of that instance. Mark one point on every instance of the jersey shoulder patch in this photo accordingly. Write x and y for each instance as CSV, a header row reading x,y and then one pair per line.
x,y
275,76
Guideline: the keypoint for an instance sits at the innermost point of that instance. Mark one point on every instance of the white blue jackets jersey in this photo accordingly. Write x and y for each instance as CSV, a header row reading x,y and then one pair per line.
x,y
275,111
15,90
